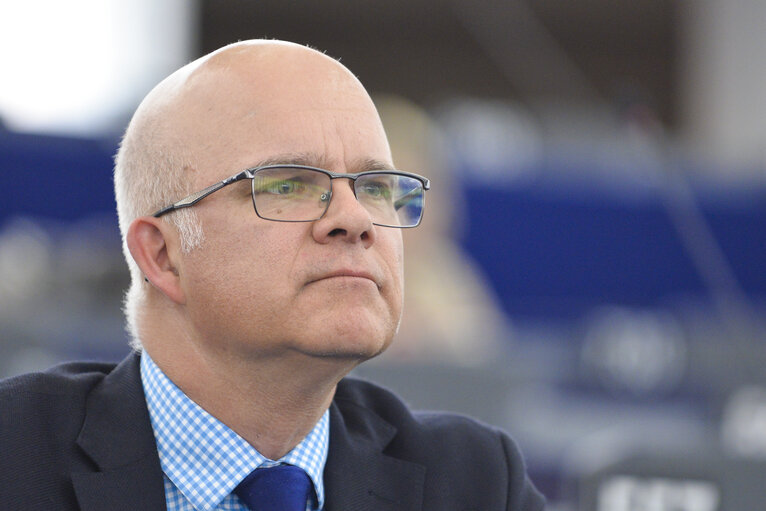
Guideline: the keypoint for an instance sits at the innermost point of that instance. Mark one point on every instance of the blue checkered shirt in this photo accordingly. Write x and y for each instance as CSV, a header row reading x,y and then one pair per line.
x,y
204,460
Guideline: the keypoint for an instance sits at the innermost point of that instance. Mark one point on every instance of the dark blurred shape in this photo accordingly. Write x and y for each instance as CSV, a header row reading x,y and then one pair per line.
x,y
430,49
684,481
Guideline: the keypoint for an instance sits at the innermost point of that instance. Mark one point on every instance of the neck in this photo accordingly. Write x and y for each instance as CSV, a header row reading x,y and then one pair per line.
x,y
271,401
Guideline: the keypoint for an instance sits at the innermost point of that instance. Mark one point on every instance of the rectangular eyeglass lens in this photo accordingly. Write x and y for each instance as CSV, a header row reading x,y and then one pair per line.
x,y
408,201
391,199
290,194
376,193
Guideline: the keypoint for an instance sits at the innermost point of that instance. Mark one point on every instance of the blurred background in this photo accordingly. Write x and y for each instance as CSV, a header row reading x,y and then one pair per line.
x,y
590,271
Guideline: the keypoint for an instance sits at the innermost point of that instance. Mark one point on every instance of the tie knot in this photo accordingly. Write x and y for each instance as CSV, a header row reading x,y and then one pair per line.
x,y
279,488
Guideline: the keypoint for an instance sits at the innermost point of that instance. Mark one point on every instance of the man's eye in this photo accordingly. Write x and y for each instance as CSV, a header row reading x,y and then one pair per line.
x,y
283,187
376,190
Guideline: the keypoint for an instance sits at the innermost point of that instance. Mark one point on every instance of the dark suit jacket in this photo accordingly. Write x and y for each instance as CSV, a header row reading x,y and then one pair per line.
x,y
78,437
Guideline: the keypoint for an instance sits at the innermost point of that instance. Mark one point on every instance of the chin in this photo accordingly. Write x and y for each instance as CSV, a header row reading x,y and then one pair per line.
x,y
358,344
343,330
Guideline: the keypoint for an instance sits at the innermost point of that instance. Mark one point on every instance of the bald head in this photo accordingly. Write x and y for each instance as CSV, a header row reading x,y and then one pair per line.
x,y
248,79
190,129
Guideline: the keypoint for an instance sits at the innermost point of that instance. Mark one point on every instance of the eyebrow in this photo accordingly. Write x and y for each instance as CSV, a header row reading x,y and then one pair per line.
x,y
322,162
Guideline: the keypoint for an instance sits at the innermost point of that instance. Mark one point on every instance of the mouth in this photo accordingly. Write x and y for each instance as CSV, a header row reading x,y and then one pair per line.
x,y
347,274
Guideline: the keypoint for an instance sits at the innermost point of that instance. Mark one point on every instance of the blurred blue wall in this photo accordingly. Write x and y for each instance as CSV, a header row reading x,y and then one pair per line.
x,y
549,247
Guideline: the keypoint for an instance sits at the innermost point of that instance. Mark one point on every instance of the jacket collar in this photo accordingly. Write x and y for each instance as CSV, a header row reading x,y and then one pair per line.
x,y
118,438
358,475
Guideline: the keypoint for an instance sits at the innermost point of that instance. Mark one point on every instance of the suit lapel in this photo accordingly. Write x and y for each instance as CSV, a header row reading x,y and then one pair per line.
x,y
117,436
358,475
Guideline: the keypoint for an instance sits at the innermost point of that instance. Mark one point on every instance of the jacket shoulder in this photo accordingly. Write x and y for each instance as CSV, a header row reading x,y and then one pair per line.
x,y
462,455
52,402
72,377
422,426
41,416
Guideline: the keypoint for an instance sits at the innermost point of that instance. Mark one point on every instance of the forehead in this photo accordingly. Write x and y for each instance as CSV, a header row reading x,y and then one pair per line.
x,y
331,138
309,108
323,162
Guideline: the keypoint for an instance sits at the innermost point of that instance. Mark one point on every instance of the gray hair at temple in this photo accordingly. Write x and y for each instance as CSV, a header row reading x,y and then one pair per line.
x,y
150,172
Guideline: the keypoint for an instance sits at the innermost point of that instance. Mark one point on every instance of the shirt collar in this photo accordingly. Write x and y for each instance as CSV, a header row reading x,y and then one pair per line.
x,y
206,459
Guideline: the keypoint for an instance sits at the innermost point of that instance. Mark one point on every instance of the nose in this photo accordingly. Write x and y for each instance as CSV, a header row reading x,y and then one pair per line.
x,y
345,219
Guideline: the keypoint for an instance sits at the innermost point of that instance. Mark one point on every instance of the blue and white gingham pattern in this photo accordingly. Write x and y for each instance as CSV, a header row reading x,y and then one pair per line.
x,y
204,460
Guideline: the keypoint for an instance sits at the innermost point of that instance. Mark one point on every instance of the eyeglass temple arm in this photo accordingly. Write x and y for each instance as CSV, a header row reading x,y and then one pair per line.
x,y
194,198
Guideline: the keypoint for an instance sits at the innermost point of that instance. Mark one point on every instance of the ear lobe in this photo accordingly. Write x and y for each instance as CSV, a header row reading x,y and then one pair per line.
x,y
154,246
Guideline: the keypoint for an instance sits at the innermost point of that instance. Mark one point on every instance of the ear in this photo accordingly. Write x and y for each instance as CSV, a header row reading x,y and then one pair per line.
x,y
155,246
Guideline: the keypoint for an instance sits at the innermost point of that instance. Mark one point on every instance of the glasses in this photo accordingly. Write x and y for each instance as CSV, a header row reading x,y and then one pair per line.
x,y
296,193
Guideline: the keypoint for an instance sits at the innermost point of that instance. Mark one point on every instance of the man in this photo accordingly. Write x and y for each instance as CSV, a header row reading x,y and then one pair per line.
x,y
261,222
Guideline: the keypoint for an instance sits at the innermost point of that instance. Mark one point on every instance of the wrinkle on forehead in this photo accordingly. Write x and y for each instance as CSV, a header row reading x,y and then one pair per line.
x,y
323,161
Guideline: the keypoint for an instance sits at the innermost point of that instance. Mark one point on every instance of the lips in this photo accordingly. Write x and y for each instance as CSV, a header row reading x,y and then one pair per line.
x,y
361,274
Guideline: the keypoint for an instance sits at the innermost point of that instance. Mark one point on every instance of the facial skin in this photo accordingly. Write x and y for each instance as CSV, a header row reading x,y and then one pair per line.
x,y
262,300
263,287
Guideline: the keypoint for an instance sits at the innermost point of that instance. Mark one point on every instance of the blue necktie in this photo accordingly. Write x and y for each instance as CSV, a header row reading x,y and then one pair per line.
x,y
280,488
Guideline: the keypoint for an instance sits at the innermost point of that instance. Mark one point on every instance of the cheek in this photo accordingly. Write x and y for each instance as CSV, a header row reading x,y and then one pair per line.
x,y
239,280
394,261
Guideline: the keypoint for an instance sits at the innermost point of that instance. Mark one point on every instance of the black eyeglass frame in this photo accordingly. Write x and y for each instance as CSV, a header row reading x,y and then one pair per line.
x,y
194,198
